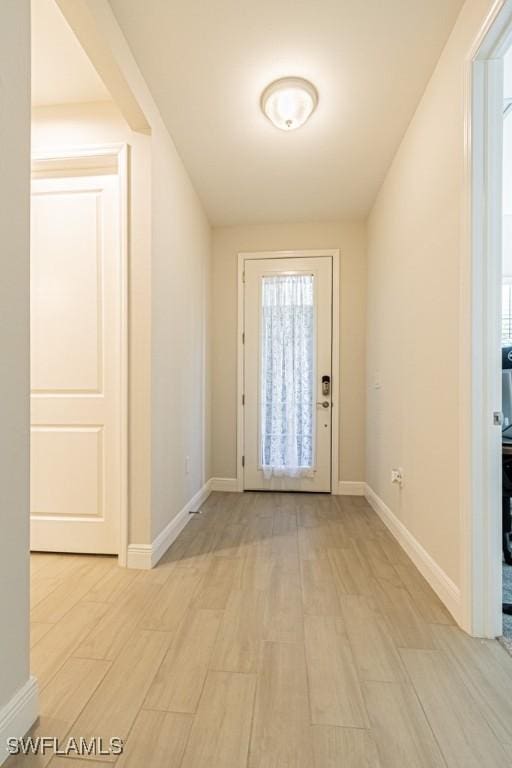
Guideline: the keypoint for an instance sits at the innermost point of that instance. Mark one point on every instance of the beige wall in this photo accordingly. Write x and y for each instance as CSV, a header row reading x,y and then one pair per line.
x,y
180,275
78,125
349,237
180,263
14,346
414,247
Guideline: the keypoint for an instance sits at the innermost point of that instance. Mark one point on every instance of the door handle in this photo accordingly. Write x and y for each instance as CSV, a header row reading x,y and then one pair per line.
x,y
324,403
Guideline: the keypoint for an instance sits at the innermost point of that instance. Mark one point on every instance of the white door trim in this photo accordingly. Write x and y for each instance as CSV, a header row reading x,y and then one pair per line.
x,y
480,361
106,158
336,422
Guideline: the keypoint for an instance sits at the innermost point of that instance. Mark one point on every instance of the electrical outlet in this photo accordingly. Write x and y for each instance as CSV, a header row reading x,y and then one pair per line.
x,y
187,465
397,476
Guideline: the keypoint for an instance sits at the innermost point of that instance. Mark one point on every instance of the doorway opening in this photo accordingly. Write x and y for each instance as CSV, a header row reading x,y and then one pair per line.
x,y
506,343
79,300
78,352
288,371
486,407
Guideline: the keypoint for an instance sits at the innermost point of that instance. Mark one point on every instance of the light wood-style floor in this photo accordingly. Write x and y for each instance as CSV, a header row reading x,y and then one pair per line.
x,y
279,631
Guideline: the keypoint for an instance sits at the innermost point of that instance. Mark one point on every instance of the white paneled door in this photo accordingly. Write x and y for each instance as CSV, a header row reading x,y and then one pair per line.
x,y
288,374
75,364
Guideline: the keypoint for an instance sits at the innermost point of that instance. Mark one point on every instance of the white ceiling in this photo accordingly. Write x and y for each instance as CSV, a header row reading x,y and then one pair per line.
x,y
207,62
61,71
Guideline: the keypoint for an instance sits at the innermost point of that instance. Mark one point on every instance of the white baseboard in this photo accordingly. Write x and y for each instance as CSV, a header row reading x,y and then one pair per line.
x,y
18,715
345,487
146,556
350,488
224,484
447,591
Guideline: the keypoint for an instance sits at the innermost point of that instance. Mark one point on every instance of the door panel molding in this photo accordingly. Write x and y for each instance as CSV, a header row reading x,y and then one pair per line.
x,y
95,160
334,254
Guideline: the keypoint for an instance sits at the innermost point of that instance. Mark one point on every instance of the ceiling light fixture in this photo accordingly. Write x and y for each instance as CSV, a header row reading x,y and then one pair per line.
x,y
289,102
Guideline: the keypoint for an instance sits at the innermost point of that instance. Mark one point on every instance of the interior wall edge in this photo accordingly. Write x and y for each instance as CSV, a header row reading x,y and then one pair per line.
x,y
146,556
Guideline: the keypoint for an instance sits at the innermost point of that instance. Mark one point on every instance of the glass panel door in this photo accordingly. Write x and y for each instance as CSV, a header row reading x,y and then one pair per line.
x,y
287,380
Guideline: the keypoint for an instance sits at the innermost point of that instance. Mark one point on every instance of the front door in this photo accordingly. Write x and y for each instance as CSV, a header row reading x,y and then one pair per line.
x,y
287,374
75,364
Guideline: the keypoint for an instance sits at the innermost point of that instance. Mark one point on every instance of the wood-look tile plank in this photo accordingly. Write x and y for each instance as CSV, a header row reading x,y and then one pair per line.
x,y
486,669
161,574
283,614
178,548
49,654
405,623
334,688
400,728
239,643
394,552
231,543
157,740
42,587
355,522
40,560
221,729
258,563
281,734
314,542
377,562
338,536
329,506
285,519
116,702
167,609
375,654
265,505
427,602
108,636
198,552
319,594
284,549
242,513
112,586
75,762
219,579
37,631
351,573
51,564
87,572
348,747
308,514
180,679
464,736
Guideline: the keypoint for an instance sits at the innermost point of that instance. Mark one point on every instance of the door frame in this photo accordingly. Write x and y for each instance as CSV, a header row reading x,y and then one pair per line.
x,y
334,254
480,327
103,158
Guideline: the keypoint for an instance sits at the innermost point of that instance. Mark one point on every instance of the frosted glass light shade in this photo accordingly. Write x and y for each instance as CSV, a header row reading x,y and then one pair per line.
x,y
289,102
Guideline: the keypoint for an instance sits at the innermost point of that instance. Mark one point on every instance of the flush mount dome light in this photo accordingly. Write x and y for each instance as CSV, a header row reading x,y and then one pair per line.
x,y
289,102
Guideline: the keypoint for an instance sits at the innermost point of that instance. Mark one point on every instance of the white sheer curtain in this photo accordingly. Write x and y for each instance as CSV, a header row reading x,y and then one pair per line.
x,y
287,377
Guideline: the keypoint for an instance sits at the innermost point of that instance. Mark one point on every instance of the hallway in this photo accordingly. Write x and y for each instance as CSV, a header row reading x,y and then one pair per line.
x,y
278,630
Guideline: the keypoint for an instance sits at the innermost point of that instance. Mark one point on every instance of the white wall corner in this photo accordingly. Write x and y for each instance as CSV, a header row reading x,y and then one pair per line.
x,y
146,556
447,591
19,715
349,488
224,484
